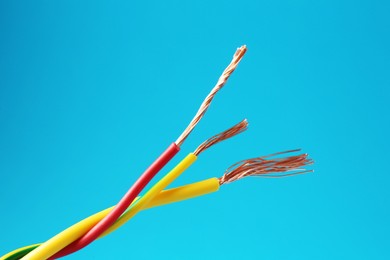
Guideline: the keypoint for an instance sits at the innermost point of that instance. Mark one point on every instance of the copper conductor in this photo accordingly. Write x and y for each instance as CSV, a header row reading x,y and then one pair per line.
x,y
235,130
206,103
265,167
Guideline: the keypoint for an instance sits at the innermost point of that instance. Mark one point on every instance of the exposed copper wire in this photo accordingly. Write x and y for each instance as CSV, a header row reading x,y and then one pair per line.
x,y
235,130
266,167
206,103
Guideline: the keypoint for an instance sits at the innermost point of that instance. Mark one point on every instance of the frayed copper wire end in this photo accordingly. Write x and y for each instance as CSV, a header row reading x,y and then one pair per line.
x,y
265,167
206,103
235,130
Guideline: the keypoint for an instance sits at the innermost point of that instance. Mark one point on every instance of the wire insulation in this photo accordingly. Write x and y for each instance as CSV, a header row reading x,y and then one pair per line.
x,y
165,197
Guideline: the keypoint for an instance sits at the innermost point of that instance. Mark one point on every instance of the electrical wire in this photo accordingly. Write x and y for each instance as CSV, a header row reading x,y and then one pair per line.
x,y
238,55
261,166
56,246
147,176
107,221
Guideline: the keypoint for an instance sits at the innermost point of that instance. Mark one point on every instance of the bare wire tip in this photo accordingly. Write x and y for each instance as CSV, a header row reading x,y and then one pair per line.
x,y
206,103
266,167
241,51
235,130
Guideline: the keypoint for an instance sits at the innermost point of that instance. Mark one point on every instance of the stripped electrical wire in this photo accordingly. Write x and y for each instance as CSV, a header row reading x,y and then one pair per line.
x,y
104,222
264,167
206,103
235,130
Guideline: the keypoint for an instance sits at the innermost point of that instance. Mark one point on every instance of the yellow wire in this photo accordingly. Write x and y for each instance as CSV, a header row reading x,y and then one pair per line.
x,y
74,232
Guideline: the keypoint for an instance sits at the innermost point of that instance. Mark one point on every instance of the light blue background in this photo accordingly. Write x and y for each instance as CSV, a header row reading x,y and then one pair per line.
x,y
91,92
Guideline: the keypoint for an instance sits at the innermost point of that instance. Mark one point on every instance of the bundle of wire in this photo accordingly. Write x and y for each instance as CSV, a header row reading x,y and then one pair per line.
x,y
102,223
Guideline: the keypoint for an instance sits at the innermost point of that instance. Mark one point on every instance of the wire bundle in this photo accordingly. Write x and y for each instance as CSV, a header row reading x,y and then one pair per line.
x,y
104,222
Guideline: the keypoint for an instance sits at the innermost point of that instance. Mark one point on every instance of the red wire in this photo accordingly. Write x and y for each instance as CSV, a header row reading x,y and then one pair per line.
x,y
123,204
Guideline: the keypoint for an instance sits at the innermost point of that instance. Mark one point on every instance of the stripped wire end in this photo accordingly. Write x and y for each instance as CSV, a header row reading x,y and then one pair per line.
x,y
235,130
266,167
206,103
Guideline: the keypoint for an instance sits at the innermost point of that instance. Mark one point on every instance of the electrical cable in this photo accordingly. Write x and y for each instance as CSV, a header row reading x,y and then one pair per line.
x,y
262,166
102,223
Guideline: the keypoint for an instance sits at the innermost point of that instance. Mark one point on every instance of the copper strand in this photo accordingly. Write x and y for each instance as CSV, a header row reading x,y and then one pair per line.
x,y
265,167
206,103
235,130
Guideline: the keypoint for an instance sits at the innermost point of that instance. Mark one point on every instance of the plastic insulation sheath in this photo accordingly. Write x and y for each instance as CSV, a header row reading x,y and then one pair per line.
x,y
149,195
45,251
165,197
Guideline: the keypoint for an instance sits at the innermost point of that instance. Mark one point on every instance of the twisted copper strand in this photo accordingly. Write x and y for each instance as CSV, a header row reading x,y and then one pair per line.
x,y
206,103
264,167
235,130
